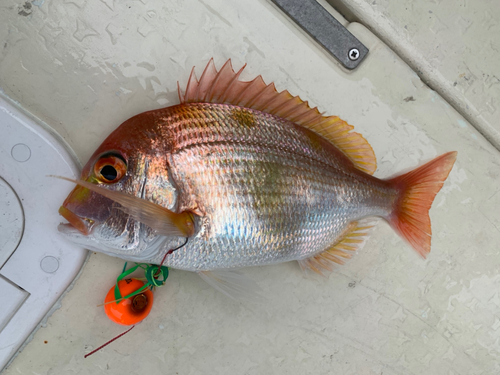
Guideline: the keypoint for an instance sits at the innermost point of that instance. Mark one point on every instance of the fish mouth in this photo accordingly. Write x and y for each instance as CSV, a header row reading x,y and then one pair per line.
x,y
84,226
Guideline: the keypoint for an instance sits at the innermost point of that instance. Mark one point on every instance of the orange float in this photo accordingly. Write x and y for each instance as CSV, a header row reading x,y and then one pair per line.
x,y
131,310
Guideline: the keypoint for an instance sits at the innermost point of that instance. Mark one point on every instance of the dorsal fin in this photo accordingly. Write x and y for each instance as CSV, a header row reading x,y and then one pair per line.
x,y
353,238
224,86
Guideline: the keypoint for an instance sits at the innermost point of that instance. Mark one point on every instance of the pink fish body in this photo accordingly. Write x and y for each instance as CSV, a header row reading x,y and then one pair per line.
x,y
243,175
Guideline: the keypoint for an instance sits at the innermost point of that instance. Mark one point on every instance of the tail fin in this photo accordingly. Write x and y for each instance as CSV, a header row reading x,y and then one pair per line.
x,y
418,188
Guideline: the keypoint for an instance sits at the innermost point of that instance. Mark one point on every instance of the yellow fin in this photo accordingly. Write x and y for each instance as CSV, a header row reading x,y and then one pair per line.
x,y
224,87
353,238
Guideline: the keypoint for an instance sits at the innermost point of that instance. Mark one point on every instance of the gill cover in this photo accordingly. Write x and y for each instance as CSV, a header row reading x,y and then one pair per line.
x,y
162,220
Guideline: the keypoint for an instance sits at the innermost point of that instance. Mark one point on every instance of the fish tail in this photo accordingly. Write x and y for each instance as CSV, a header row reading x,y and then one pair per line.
x,y
418,188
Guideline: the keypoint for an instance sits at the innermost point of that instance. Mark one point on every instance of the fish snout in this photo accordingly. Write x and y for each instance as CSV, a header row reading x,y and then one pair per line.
x,y
84,226
84,209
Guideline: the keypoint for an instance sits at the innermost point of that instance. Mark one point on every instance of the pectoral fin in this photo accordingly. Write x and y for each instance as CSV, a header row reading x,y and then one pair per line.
x,y
162,220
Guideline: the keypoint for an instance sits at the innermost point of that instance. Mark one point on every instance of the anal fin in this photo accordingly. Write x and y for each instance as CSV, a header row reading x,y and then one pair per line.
x,y
352,239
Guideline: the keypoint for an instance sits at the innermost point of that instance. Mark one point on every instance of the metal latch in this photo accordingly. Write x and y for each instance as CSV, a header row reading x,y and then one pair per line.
x,y
326,30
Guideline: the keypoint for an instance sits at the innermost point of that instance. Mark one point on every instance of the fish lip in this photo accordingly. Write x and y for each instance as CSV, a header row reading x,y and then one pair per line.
x,y
84,226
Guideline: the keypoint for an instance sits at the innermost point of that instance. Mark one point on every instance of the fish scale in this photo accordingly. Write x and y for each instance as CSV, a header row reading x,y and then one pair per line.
x,y
265,176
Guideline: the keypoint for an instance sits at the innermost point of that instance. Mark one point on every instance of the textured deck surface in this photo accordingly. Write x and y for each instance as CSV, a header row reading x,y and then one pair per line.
x,y
453,45
86,66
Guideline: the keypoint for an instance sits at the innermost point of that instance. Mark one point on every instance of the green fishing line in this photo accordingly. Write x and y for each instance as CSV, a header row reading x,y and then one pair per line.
x,y
155,276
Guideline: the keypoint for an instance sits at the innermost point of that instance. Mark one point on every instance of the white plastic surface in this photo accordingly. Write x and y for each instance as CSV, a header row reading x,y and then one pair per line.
x,y
11,299
39,268
86,66
11,221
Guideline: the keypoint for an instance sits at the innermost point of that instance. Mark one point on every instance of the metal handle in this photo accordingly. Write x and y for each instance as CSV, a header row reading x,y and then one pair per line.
x,y
326,30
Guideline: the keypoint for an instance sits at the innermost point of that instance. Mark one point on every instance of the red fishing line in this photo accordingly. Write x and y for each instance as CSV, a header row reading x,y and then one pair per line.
x,y
109,342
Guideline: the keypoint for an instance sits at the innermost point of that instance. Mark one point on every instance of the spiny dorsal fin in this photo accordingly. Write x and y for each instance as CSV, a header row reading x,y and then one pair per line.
x,y
224,86
353,238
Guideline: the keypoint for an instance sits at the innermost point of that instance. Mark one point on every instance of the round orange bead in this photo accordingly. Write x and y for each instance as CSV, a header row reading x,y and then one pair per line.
x,y
131,310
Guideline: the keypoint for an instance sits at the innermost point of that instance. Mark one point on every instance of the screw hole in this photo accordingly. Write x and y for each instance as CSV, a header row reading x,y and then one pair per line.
x,y
353,54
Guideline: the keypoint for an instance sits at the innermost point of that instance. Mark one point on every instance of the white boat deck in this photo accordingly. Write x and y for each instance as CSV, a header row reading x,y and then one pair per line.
x,y
83,67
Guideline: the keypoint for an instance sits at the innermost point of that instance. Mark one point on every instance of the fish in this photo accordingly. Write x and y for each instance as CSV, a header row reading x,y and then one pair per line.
x,y
239,174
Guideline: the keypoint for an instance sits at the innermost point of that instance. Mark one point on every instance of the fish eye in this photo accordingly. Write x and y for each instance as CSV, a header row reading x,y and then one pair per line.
x,y
110,168
109,172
